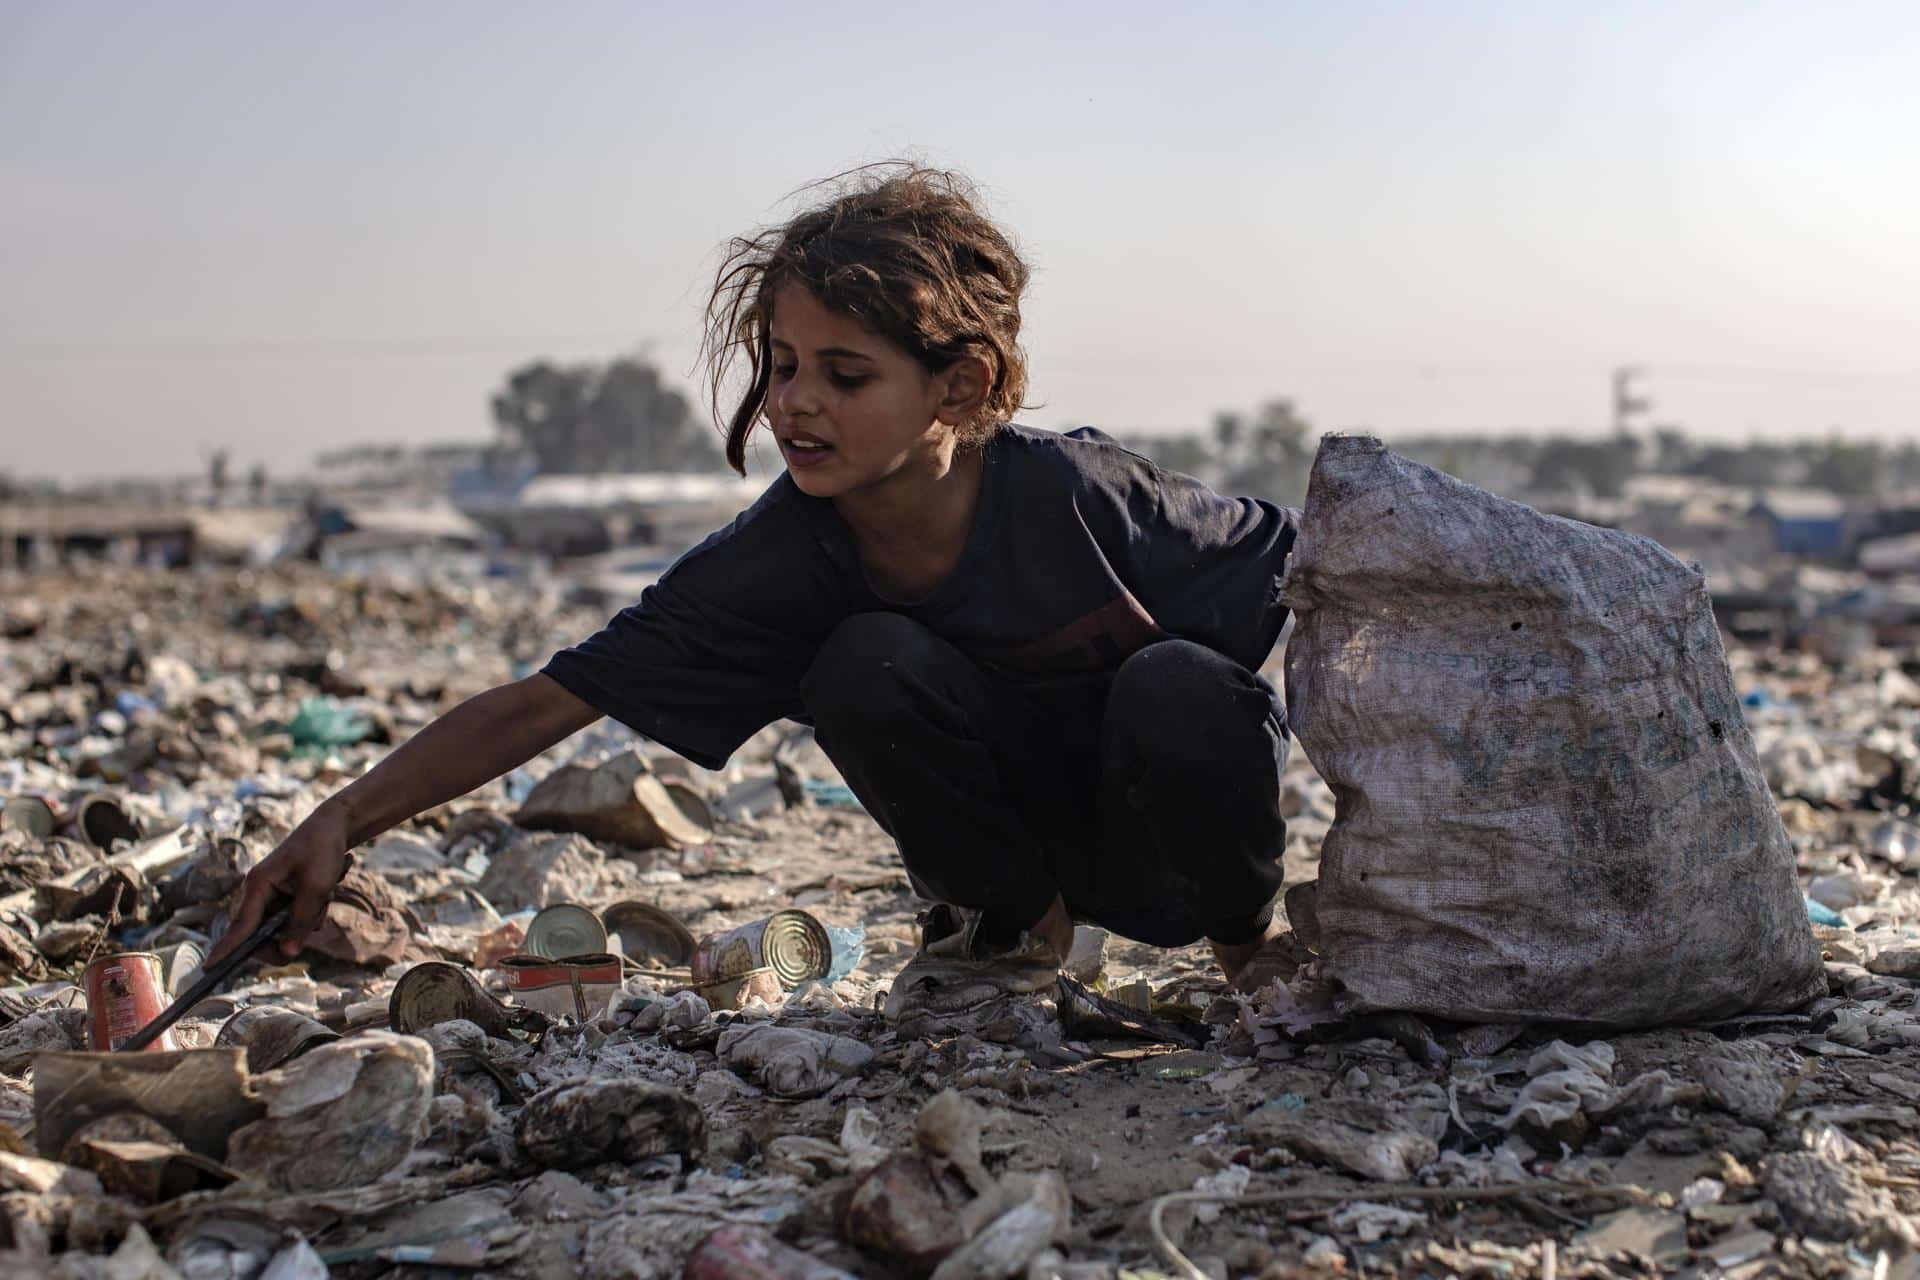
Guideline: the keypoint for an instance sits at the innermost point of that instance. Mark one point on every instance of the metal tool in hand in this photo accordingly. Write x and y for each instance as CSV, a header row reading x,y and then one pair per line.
x,y
208,981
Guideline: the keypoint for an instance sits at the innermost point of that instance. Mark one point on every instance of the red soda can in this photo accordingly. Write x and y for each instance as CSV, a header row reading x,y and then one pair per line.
x,y
124,993
748,1253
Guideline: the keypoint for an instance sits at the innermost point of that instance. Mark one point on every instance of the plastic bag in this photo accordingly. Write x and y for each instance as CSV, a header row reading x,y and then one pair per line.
x,y
1549,806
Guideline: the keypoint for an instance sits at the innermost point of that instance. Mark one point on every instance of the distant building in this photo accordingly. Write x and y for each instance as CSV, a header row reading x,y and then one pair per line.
x,y
389,537
361,529
1895,512
1700,520
1897,556
1804,522
62,531
583,515
375,468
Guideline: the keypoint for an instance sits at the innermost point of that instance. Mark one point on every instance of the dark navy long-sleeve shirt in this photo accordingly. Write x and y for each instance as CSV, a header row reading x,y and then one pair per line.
x,y
1081,553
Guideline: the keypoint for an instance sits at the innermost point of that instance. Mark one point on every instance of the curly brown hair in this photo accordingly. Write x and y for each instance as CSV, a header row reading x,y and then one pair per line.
x,y
903,249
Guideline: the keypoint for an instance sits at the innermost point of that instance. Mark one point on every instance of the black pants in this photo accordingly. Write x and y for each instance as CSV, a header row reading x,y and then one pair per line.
x,y
1148,800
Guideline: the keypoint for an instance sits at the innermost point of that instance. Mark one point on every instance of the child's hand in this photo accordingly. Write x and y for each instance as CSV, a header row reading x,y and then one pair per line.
x,y
304,869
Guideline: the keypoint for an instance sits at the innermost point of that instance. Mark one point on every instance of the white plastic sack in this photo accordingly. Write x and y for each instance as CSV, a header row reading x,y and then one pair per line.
x,y
1549,806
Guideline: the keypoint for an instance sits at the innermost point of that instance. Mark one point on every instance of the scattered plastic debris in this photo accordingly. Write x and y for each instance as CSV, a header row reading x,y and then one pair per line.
x,y
645,1128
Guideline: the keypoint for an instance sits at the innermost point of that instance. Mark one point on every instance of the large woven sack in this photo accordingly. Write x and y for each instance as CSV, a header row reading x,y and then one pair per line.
x,y
1549,806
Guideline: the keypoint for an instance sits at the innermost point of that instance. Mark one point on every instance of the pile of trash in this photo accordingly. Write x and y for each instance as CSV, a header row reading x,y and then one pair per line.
x,y
617,1016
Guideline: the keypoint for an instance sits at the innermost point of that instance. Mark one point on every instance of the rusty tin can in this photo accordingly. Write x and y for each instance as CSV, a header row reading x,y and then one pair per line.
x,y
579,987
272,1036
733,993
124,993
435,992
791,943
564,930
740,1252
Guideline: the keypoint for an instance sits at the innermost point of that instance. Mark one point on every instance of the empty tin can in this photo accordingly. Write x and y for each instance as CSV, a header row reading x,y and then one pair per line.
x,y
124,993
579,987
791,943
436,992
100,820
35,815
688,800
649,934
565,930
272,1036
180,965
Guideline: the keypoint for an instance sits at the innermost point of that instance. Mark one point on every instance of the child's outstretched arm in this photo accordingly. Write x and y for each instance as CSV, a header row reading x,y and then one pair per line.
x,y
482,738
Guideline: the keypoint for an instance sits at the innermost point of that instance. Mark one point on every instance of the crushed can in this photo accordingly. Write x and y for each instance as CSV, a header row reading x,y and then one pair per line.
x,y
733,993
565,930
791,943
741,1252
579,987
272,1036
436,992
124,993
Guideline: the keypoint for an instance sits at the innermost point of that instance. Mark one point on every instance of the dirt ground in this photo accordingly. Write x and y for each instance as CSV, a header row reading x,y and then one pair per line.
x,y
1780,1145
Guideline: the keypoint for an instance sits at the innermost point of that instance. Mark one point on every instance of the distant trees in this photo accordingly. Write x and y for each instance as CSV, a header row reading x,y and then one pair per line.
x,y
1756,465
1599,467
1671,449
1189,455
1848,469
1265,454
1269,454
619,416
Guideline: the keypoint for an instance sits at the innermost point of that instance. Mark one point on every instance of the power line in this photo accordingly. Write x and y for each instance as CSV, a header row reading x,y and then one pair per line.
x,y
1764,374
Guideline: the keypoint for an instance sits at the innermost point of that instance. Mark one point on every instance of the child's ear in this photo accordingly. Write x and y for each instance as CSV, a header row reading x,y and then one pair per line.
x,y
966,383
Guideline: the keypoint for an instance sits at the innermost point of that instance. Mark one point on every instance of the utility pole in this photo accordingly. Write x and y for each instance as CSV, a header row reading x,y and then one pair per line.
x,y
1626,403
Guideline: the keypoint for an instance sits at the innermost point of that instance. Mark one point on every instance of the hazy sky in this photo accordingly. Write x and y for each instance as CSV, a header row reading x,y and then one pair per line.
x,y
280,227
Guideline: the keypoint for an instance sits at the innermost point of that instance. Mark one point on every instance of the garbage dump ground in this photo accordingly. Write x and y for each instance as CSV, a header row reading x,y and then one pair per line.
x,y
159,733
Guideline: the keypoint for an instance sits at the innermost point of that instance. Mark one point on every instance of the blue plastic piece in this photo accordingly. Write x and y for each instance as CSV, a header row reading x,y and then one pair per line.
x,y
849,949
1823,915
321,724
834,795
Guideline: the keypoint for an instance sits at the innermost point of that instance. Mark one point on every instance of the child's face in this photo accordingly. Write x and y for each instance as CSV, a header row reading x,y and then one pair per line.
x,y
850,408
